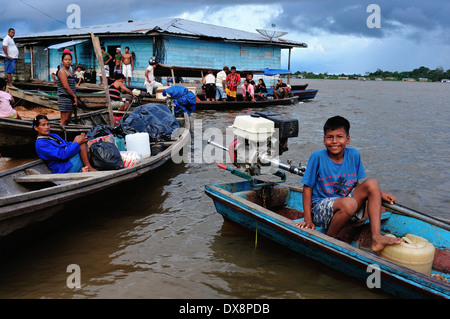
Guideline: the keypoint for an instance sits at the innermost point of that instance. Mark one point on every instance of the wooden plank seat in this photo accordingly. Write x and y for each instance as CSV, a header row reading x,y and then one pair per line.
x,y
67,177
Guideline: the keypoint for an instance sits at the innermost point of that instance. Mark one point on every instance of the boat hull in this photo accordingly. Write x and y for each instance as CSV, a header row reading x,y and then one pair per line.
x,y
395,279
25,202
305,94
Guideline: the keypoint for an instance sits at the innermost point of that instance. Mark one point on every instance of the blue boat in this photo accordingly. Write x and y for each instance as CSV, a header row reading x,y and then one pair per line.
x,y
305,94
273,209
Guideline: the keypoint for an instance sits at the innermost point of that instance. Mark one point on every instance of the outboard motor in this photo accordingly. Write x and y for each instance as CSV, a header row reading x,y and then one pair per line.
x,y
259,140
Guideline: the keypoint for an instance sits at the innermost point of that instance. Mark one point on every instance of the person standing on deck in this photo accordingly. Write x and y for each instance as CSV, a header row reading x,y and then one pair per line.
x,y
127,65
117,62
11,53
66,89
106,58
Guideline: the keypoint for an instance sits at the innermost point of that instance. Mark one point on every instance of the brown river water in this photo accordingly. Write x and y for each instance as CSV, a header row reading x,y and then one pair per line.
x,y
161,237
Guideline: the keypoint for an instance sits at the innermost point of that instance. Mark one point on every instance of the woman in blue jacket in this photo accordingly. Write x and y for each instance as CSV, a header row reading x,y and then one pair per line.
x,y
61,156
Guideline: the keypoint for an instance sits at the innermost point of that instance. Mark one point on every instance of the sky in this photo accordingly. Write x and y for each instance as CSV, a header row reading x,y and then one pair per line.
x,y
343,36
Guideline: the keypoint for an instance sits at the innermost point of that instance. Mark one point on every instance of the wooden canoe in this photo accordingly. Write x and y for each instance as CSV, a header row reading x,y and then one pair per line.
x,y
30,193
275,217
17,136
96,101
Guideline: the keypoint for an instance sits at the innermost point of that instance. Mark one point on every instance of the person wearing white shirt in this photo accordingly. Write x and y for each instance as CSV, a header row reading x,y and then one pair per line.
x,y
210,86
221,83
11,53
150,82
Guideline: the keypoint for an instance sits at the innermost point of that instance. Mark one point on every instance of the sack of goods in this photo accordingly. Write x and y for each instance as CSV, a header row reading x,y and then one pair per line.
x,y
105,156
130,158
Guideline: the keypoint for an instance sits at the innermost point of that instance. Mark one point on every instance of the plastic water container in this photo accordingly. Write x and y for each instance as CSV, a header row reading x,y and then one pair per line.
x,y
139,142
414,252
120,143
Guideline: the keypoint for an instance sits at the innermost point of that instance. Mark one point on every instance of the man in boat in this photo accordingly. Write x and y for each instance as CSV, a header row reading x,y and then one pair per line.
x,y
233,80
114,93
150,82
127,64
332,194
61,156
221,84
282,89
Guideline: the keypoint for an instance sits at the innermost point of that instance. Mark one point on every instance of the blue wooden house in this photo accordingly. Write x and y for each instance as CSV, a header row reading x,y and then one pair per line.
x,y
173,42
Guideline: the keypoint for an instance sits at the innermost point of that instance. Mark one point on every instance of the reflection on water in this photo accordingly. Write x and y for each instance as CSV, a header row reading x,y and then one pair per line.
x,y
161,237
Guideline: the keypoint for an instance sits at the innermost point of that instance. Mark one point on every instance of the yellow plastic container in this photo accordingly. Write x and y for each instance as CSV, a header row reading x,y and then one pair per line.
x,y
414,252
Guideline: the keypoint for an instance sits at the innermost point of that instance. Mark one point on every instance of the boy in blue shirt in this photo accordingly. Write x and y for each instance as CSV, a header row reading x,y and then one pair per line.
x,y
332,195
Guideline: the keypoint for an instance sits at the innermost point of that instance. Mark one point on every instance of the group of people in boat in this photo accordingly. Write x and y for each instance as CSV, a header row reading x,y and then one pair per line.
x,y
224,86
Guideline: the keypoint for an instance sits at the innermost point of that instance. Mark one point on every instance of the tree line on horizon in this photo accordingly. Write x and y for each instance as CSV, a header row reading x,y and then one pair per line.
x,y
420,73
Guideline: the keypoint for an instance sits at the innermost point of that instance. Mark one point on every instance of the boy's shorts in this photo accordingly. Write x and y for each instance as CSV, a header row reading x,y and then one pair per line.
x,y
323,213
230,92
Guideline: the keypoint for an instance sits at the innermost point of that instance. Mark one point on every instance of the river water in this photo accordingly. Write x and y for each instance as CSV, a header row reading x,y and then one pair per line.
x,y
161,237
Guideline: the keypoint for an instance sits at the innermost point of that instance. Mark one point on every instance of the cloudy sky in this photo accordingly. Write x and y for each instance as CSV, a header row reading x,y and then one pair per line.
x,y
411,33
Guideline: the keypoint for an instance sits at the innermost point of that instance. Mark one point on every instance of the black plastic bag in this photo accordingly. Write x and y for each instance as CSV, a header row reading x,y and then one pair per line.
x,y
105,156
99,130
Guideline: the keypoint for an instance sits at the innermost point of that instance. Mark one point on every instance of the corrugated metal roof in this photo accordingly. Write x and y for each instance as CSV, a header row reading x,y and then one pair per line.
x,y
171,26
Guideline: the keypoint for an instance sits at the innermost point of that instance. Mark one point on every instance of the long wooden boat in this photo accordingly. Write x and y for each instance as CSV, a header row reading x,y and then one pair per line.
x,y
98,101
275,216
30,193
17,136
229,105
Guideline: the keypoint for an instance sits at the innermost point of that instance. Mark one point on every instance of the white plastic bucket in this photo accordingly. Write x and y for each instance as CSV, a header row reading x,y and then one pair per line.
x,y
138,142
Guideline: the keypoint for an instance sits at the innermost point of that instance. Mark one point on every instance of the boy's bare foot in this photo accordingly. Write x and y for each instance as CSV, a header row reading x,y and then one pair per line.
x,y
380,241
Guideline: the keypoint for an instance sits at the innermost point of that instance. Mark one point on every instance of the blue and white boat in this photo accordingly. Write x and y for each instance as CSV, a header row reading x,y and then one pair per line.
x,y
273,210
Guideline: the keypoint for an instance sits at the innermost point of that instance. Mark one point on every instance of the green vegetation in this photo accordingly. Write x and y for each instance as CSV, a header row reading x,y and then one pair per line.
x,y
421,73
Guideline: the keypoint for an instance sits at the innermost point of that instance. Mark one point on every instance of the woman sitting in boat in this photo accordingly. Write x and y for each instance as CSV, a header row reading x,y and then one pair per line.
x,y
6,100
61,156
260,89
114,93
66,83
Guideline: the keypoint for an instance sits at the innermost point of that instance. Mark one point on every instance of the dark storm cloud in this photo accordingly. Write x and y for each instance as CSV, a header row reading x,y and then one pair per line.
x,y
347,17
342,17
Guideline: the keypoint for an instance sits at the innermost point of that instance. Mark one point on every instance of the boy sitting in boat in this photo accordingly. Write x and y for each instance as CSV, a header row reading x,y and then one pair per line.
x,y
332,195
61,156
